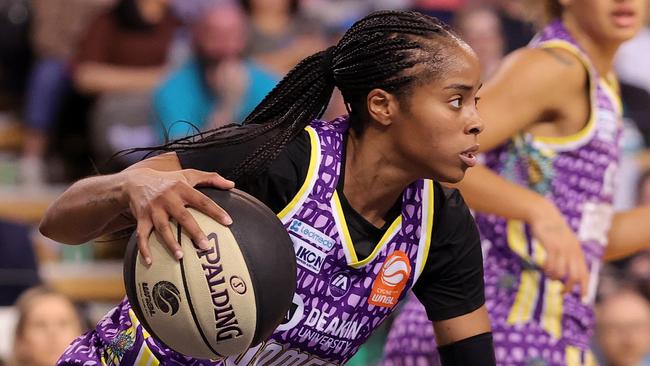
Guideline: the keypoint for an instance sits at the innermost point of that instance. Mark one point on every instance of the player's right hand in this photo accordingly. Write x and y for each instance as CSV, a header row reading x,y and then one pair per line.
x,y
564,260
156,196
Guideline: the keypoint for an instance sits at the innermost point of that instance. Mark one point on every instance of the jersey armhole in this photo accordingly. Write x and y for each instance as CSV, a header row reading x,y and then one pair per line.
x,y
310,179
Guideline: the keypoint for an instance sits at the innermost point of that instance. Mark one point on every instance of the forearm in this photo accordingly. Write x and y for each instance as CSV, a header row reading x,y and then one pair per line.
x,y
629,233
92,77
487,192
86,209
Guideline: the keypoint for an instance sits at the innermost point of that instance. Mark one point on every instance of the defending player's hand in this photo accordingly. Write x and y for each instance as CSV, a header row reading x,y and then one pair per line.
x,y
155,196
565,260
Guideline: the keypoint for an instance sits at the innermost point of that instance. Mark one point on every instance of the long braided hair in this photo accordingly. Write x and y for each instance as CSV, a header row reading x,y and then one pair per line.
x,y
378,51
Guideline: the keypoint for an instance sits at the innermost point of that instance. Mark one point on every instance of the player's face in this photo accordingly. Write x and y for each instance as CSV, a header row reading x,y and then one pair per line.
x,y
437,131
608,20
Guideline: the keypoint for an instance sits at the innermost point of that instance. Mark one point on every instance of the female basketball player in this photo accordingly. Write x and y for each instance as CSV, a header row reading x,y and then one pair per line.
x,y
410,86
553,117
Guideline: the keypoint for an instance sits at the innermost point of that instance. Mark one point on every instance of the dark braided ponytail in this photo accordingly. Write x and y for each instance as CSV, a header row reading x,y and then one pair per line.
x,y
376,52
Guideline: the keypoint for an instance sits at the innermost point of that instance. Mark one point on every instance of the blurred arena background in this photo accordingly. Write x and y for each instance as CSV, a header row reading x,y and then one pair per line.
x,y
81,80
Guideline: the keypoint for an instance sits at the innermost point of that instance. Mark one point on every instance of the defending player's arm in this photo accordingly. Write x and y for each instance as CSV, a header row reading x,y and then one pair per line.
x,y
548,77
629,233
451,286
151,191
466,340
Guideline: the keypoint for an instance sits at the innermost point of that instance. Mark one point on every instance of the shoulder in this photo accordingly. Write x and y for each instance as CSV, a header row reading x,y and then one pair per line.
x,y
543,69
452,216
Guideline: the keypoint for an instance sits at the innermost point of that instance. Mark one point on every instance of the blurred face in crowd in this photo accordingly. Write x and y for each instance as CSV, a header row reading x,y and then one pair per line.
x,y
270,6
50,324
612,21
220,34
623,328
152,10
481,29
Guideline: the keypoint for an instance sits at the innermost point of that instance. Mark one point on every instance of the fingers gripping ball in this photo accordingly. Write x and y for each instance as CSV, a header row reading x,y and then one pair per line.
x,y
220,301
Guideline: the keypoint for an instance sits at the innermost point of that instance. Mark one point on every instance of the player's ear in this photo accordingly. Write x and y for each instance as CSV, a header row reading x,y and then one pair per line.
x,y
382,106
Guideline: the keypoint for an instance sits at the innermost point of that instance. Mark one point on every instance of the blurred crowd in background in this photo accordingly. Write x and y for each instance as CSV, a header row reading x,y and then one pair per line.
x,y
81,80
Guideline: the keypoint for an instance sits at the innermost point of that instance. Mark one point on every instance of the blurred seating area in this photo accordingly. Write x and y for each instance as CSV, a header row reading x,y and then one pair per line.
x,y
83,80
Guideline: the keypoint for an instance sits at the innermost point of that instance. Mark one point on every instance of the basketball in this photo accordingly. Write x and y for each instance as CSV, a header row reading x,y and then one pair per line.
x,y
221,301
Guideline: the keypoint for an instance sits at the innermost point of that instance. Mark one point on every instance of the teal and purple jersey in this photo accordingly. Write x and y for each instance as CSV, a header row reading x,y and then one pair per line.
x,y
340,299
532,322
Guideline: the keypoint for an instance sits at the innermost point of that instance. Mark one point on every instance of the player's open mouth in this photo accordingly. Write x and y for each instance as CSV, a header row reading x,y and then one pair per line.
x,y
624,17
469,156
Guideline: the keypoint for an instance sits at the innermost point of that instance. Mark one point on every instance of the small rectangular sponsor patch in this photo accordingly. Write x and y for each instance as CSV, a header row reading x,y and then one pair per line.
x,y
307,256
311,234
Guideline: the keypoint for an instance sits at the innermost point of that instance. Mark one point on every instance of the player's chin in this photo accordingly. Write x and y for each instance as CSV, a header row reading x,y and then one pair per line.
x,y
451,175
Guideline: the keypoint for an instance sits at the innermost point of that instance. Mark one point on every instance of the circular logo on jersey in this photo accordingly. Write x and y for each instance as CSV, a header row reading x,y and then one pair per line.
x,y
394,271
166,297
238,285
294,314
339,284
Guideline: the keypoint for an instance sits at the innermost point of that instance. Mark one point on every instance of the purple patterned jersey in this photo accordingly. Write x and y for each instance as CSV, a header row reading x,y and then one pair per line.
x,y
340,299
533,323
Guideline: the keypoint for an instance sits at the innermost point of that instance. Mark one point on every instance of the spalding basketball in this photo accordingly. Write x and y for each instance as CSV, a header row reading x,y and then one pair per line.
x,y
221,301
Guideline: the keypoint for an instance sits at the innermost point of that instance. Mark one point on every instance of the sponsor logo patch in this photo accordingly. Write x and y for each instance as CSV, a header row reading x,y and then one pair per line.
x,y
339,284
307,256
311,234
392,278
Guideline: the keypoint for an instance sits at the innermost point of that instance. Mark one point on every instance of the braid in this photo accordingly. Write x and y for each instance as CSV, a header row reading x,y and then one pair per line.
x,y
376,52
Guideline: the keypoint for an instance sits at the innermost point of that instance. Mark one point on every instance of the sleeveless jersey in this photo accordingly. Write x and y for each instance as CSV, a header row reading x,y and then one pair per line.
x,y
340,299
532,323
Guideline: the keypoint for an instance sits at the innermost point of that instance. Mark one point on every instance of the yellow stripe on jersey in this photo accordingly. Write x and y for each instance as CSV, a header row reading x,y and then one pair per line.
x,y
611,89
428,225
591,123
346,239
572,355
517,238
145,356
590,359
553,305
539,253
524,305
312,171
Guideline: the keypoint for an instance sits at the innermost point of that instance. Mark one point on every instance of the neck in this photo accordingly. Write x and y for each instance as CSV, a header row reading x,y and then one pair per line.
x,y
601,53
374,180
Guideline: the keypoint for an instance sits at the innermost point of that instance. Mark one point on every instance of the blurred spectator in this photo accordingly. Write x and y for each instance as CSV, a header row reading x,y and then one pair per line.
x,y
47,323
280,35
217,86
15,55
121,60
623,328
126,48
18,266
57,26
516,23
441,9
480,27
